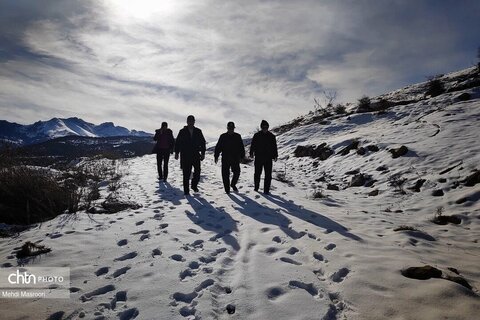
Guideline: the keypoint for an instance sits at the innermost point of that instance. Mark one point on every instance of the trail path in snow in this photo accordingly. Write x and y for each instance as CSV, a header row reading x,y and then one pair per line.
x,y
263,257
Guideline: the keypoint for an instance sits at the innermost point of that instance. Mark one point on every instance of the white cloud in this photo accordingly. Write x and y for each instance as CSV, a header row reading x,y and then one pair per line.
x,y
140,63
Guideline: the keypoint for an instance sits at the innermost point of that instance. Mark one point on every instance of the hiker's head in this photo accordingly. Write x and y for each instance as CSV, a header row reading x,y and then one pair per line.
x,y
264,126
230,126
164,125
190,120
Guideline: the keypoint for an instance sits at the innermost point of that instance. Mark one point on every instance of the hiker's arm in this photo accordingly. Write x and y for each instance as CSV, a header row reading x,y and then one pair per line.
x,y
242,147
218,148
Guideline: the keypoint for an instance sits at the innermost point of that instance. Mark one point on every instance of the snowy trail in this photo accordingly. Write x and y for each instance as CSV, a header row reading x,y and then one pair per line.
x,y
179,258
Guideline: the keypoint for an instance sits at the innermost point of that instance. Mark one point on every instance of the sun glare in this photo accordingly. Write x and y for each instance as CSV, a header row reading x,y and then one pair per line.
x,y
144,9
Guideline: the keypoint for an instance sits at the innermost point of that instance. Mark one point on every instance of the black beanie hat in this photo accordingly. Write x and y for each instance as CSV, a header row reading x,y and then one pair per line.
x,y
264,123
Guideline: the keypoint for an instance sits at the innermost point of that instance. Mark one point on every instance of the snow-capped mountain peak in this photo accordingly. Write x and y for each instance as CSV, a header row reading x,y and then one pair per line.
x,y
60,127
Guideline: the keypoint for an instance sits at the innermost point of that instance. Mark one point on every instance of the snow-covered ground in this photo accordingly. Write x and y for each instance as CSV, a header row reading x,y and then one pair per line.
x,y
288,255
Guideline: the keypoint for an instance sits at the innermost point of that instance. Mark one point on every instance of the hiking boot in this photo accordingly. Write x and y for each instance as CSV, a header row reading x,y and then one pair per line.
x,y
195,189
234,188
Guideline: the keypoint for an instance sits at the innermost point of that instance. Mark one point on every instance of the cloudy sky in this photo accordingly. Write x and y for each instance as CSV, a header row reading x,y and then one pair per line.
x,y
138,63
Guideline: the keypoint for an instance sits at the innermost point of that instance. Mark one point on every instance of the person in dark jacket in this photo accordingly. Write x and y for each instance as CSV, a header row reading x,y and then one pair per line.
x,y
230,145
163,148
190,144
264,148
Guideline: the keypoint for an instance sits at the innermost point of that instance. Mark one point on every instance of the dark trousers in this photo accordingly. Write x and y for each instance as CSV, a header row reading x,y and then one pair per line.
x,y
162,156
234,165
187,171
261,164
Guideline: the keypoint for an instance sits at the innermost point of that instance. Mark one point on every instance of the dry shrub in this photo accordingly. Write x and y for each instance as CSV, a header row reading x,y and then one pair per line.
x,y
29,195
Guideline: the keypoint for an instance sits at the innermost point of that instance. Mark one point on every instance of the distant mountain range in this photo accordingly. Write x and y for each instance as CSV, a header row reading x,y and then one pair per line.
x,y
41,131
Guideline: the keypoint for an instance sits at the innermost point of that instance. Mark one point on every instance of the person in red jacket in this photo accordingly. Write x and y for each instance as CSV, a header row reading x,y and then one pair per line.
x,y
264,148
163,149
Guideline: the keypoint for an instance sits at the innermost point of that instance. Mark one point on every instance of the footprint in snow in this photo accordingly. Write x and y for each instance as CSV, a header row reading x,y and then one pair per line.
x,y
120,296
144,236
177,257
274,293
330,246
127,256
100,291
141,232
120,271
292,250
158,216
271,250
288,260
309,287
340,275
128,314
59,315
101,271
318,256
156,252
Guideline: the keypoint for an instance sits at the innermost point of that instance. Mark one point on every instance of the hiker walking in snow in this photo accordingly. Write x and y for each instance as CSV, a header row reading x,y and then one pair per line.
x,y
230,145
264,149
190,144
163,148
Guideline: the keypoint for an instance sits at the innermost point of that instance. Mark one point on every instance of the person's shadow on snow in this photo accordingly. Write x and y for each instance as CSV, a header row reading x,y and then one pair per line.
x,y
264,214
311,217
213,219
167,192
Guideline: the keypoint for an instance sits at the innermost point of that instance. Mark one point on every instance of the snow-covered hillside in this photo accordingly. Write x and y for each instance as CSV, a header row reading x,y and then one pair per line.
x,y
57,127
322,246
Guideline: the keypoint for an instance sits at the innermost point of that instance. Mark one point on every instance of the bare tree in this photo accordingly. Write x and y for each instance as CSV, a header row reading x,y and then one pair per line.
x,y
328,100
329,97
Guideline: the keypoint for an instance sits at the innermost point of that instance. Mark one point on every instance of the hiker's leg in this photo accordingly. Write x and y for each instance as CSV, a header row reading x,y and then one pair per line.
x,y
268,175
166,157
187,171
226,175
257,174
236,172
196,173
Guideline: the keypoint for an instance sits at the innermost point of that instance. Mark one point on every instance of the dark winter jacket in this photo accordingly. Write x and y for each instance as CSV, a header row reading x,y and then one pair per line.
x,y
264,146
230,146
189,146
170,139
